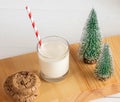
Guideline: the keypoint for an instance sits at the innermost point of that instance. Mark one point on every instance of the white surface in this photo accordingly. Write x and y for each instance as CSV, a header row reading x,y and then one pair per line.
x,y
53,17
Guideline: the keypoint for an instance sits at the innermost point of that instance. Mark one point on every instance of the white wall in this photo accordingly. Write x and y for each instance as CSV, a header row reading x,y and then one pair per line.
x,y
65,18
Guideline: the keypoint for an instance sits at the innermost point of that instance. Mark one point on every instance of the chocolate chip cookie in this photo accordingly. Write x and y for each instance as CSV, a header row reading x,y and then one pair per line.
x,y
22,86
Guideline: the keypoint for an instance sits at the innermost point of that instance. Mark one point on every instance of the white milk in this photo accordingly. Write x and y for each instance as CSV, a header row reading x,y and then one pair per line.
x,y
54,59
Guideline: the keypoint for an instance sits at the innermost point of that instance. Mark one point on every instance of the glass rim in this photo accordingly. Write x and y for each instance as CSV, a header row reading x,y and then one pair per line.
x,y
54,36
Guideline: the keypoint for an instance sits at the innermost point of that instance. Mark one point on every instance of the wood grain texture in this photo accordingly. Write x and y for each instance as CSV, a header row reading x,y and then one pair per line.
x,y
80,85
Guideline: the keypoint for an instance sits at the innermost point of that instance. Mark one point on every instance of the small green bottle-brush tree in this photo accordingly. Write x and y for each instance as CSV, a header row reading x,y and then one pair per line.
x,y
104,66
90,47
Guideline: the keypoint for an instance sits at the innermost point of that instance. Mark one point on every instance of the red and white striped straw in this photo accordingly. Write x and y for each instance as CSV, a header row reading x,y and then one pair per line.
x,y
34,25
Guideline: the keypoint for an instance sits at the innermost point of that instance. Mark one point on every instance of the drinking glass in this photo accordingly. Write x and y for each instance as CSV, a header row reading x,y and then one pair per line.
x,y
53,58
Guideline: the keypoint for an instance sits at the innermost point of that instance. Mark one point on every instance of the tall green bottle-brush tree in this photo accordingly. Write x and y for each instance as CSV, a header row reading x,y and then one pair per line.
x,y
90,47
104,67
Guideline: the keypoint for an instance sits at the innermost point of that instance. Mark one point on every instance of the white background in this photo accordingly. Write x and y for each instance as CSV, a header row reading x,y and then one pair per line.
x,y
64,18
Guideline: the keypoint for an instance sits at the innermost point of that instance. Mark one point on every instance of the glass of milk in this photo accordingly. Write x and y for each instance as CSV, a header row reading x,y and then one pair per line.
x,y
53,58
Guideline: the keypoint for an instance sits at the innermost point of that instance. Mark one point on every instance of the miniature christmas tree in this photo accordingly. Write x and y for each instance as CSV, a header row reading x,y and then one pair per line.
x,y
90,48
104,66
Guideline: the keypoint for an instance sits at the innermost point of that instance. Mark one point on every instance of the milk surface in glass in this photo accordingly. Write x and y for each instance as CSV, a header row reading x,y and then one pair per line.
x,y
53,58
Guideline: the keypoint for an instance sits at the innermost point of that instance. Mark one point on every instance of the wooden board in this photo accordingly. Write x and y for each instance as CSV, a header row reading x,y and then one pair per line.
x,y
80,84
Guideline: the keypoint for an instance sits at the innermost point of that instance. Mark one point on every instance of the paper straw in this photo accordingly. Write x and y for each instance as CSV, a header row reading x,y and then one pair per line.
x,y
34,25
